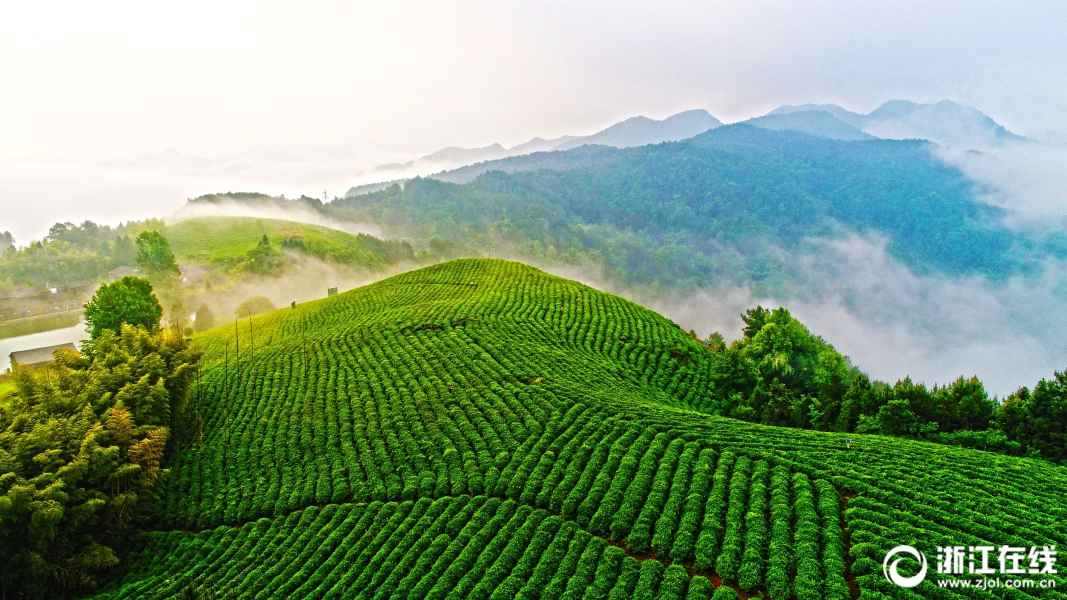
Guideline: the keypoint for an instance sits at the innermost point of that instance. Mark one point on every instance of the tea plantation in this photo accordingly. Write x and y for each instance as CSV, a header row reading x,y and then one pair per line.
x,y
480,429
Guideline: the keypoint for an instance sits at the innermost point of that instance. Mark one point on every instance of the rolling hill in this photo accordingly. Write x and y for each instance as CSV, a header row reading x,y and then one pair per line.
x,y
480,429
226,241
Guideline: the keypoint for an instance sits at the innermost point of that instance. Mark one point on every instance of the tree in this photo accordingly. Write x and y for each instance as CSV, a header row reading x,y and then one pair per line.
x,y
754,319
860,399
86,465
716,341
896,418
775,403
1038,419
254,306
263,259
128,301
123,251
155,257
964,404
6,241
205,319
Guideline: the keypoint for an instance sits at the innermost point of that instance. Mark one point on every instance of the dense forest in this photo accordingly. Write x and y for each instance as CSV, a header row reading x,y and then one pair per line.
x,y
71,253
779,373
727,206
82,445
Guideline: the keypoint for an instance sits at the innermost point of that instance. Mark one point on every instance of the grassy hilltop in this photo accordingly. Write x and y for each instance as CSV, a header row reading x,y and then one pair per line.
x,y
480,429
228,241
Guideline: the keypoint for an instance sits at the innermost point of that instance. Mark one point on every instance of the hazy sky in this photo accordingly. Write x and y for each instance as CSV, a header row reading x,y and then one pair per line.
x,y
296,97
122,110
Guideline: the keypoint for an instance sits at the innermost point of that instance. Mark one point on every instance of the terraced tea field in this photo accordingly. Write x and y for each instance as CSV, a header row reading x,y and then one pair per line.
x,y
480,429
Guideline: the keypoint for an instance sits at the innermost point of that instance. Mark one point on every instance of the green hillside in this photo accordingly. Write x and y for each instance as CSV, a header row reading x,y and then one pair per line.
x,y
730,206
480,429
227,241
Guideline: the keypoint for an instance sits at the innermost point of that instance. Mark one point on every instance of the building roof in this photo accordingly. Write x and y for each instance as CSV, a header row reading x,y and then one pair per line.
x,y
38,356
120,272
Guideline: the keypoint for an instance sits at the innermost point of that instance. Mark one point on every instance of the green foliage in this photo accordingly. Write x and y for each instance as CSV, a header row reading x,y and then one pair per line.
x,y
68,254
724,593
750,574
479,429
81,449
205,319
155,257
781,543
128,301
6,241
729,559
256,305
1038,420
700,588
263,246
727,206
809,581
264,259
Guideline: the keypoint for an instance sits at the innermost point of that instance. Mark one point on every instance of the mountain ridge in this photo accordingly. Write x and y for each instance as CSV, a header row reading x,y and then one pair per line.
x,y
634,131
945,123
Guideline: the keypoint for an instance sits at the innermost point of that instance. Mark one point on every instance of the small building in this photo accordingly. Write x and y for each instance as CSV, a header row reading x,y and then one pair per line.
x,y
79,288
120,272
38,356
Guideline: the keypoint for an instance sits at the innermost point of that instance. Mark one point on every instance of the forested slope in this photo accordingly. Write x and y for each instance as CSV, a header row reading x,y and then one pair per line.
x,y
480,429
731,205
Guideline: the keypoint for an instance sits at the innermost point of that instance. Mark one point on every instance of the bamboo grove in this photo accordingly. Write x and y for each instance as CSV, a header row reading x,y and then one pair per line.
x,y
480,429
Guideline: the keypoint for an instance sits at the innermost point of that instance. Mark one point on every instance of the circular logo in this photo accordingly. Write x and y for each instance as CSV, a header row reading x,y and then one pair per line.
x,y
890,570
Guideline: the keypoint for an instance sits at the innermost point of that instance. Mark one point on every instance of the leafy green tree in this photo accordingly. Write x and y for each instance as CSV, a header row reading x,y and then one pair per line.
x,y
82,449
205,319
254,306
734,378
128,301
776,403
897,418
263,259
6,241
123,251
919,401
156,258
860,399
754,319
1038,420
963,405
716,341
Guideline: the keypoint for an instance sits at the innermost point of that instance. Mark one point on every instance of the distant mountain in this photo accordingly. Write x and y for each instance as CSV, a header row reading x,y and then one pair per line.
x,y
640,131
728,205
540,145
946,123
635,131
853,119
580,157
815,122
446,158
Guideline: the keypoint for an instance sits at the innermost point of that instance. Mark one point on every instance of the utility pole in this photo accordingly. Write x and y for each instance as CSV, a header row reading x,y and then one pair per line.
x,y
252,335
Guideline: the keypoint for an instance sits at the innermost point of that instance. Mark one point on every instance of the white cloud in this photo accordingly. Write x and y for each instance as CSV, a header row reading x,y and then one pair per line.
x,y
893,323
